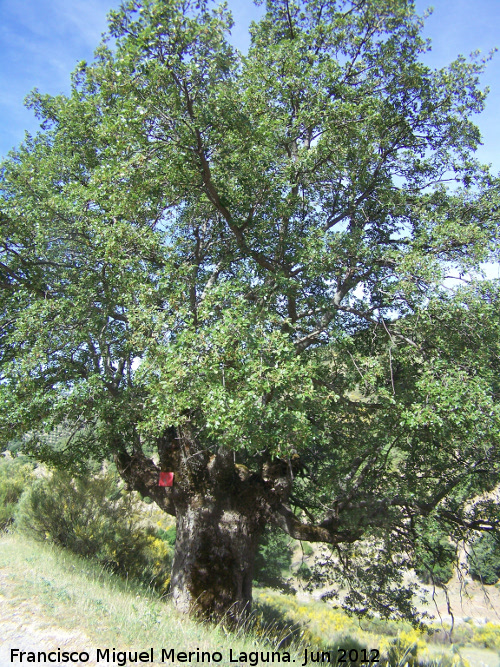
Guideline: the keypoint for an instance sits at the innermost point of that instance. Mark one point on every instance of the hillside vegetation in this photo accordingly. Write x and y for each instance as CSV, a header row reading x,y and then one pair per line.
x,y
51,598
86,565
55,588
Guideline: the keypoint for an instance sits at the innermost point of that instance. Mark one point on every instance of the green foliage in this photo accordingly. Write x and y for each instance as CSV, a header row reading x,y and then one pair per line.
x,y
307,549
484,559
435,557
167,535
436,573
403,650
303,571
273,560
15,475
84,515
257,248
326,627
268,621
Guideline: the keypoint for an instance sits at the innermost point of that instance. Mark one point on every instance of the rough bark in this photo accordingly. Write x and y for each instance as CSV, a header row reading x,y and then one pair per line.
x,y
221,508
214,557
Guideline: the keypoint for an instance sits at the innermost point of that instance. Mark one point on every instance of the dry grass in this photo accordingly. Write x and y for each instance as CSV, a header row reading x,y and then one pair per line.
x,y
50,598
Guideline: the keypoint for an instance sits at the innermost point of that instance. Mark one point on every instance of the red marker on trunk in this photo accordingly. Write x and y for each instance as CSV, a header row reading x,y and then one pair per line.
x,y
166,479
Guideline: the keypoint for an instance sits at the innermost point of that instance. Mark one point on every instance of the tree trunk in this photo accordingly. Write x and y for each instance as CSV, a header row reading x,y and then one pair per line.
x,y
221,508
214,558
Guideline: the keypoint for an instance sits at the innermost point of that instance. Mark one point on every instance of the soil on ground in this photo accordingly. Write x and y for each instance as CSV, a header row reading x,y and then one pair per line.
x,y
24,625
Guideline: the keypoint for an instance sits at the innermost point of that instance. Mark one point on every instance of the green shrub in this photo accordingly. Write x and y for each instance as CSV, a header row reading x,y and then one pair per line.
x,y
15,475
167,535
484,560
94,517
307,549
402,654
349,652
269,621
436,574
273,560
435,558
304,572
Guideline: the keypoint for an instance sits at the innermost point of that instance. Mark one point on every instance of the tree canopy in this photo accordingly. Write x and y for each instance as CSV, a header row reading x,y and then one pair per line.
x,y
234,267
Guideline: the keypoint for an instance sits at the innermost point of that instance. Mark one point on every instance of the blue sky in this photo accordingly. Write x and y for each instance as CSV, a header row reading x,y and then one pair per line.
x,y
42,40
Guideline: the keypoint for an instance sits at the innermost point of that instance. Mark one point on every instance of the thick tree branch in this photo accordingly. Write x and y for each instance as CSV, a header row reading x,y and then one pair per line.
x,y
142,475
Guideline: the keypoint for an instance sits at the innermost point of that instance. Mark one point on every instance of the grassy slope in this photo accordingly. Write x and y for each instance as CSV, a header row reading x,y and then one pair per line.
x,y
91,608
50,598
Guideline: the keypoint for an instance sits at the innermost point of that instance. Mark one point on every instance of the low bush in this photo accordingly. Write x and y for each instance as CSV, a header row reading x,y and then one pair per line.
x,y
307,549
168,535
484,560
404,649
487,636
303,572
435,558
15,475
273,561
95,517
321,624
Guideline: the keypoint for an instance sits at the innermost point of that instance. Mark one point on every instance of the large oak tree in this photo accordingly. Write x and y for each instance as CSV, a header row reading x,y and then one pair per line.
x,y
234,268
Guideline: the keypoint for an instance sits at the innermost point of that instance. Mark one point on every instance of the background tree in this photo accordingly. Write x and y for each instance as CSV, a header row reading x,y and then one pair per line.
x,y
484,560
232,268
